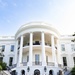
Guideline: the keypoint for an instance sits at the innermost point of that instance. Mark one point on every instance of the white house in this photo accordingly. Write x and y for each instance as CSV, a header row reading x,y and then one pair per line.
x,y
38,49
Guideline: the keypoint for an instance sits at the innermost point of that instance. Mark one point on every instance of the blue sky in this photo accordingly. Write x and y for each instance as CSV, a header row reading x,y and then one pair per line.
x,y
15,13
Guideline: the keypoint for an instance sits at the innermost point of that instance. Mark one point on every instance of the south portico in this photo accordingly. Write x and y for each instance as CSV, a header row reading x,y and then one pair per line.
x,y
36,51
42,43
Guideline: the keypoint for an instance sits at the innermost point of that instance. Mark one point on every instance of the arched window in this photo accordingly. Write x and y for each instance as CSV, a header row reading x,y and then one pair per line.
x,y
36,72
51,72
22,72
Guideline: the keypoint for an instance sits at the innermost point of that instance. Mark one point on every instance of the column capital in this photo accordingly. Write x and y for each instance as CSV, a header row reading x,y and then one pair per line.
x,y
52,35
30,32
42,32
21,35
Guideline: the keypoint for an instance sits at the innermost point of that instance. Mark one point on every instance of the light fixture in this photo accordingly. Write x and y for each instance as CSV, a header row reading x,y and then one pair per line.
x,y
28,69
45,69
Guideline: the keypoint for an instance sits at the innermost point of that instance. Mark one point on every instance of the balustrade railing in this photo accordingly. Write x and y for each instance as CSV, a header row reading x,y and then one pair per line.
x,y
13,66
37,63
50,64
60,65
24,63
37,43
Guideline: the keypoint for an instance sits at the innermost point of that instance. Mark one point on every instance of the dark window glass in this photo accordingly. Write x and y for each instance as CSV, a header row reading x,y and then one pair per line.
x,y
64,61
3,48
10,61
12,47
1,59
74,60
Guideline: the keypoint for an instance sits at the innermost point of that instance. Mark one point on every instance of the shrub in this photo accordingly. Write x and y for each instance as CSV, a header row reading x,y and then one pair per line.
x,y
3,65
73,71
0,67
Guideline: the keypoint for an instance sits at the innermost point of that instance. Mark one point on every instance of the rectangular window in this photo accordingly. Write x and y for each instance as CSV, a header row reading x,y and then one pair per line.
x,y
46,58
64,61
10,61
37,59
63,47
1,59
3,48
27,58
73,47
12,48
74,60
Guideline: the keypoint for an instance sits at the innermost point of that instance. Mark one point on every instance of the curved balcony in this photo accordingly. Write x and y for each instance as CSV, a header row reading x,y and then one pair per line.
x,y
13,66
24,63
50,64
37,63
36,43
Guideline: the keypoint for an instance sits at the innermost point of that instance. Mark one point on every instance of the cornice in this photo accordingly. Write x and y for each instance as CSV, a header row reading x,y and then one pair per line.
x,y
37,25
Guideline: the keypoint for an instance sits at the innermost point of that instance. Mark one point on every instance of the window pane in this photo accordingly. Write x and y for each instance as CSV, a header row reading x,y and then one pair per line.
x,y
1,59
3,48
27,58
10,61
12,47
46,58
73,47
37,57
74,60
64,61
63,47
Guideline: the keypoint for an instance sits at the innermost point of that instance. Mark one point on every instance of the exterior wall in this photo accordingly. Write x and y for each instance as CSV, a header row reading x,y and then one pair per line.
x,y
68,53
7,52
38,32
40,55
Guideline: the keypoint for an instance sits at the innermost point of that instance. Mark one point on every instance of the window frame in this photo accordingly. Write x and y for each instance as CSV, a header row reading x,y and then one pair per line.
x,y
12,48
37,57
74,60
64,61
63,47
73,47
10,61
3,48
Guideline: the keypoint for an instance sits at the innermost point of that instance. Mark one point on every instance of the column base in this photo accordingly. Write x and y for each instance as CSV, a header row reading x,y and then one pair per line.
x,y
44,64
56,65
19,65
29,64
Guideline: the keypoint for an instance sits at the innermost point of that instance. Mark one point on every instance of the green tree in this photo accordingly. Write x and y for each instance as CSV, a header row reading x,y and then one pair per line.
x,y
73,71
0,68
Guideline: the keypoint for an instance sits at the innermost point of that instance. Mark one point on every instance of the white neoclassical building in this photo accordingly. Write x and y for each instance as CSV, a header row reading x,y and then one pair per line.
x,y
38,49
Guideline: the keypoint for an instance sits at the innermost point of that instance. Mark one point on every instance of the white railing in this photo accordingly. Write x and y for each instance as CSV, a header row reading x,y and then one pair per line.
x,y
50,64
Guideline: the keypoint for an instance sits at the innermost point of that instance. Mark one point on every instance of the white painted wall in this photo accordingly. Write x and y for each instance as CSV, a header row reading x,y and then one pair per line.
x,y
7,52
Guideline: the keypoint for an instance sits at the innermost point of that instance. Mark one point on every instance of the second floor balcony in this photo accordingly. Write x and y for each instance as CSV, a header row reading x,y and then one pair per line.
x,y
36,63
36,43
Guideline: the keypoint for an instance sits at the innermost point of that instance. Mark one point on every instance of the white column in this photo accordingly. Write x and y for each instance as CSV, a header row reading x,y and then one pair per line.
x,y
21,49
43,49
53,50
16,52
59,52
30,49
